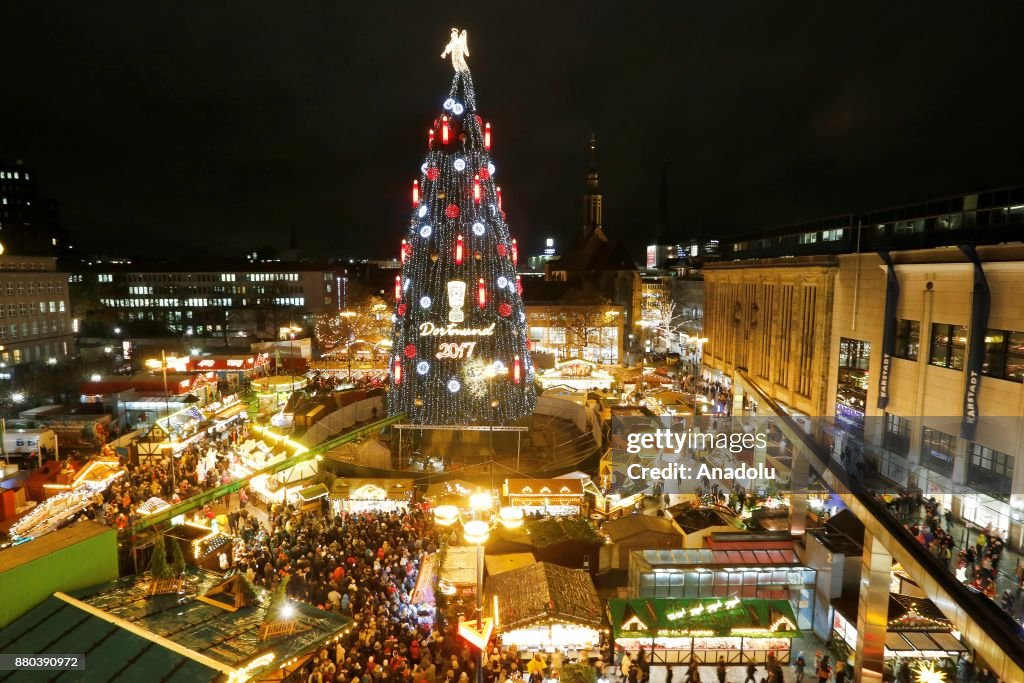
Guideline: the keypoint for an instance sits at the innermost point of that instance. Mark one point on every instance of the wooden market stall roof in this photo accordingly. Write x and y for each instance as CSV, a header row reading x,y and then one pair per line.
x,y
498,564
543,591
668,617
629,526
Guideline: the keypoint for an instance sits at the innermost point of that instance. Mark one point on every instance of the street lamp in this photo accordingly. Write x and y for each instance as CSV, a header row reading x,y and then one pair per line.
x,y
476,531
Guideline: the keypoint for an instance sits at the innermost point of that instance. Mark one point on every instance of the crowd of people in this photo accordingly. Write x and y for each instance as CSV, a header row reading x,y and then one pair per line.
x,y
976,565
118,505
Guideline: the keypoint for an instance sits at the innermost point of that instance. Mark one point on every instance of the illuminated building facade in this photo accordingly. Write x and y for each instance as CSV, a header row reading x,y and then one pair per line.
x,y
230,300
35,318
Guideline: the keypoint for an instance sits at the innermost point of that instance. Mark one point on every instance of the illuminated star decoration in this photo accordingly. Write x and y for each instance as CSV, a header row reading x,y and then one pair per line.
x,y
927,673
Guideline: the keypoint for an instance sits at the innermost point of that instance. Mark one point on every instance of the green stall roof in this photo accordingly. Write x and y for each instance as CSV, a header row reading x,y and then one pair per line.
x,y
111,652
671,617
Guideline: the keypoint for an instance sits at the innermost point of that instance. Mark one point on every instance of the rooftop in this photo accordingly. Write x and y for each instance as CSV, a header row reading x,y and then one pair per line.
x,y
131,636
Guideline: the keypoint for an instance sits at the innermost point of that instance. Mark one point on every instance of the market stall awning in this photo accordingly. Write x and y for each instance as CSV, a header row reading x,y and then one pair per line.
x,y
543,487
669,617
311,493
542,592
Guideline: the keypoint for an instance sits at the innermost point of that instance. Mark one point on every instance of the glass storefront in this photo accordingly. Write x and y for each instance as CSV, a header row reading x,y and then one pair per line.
x,y
852,387
664,578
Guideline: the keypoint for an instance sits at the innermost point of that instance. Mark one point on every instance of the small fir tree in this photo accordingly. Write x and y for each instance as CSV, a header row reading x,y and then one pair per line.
x,y
278,601
158,566
177,559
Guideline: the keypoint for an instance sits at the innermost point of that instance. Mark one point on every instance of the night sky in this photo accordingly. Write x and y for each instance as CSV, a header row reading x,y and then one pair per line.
x,y
218,126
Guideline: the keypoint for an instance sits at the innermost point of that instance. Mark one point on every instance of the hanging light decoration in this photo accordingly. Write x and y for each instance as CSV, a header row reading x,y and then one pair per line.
x,y
481,292
444,130
415,192
398,371
517,370
459,250
398,288
430,139
487,136
515,252
476,189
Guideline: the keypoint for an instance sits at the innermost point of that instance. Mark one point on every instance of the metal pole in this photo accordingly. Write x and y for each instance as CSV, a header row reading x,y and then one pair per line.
x,y
3,440
519,441
167,418
480,610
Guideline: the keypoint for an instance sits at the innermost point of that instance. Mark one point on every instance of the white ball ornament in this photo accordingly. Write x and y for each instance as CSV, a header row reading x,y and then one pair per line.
x,y
459,164
425,302
490,168
457,109
423,367
502,282
478,229
453,385
426,231
423,210
449,103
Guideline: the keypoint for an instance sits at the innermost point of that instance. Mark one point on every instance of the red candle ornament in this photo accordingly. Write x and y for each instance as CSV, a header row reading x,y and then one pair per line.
x,y
410,351
444,130
515,252
398,288
498,190
452,211
517,370
415,192
430,139
398,372
404,252
519,285
459,250
481,292
487,136
476,188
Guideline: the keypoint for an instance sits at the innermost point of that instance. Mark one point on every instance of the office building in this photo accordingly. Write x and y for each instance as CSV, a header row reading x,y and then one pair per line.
x,y
35,318
226,300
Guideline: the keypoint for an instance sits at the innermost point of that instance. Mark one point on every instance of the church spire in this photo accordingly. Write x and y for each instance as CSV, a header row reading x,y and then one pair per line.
x,y
592,198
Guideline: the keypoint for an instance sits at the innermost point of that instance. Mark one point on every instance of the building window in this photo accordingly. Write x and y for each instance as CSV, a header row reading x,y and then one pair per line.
x,y
948,344
938,451
1004,355
908,339
852,387
990,472
896,436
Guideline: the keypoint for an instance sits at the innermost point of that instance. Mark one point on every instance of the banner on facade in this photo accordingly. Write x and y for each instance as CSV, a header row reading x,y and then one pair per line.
x,y
980,304
892,297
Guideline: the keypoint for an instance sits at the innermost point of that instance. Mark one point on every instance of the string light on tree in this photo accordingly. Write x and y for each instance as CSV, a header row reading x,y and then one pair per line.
x,y
460,341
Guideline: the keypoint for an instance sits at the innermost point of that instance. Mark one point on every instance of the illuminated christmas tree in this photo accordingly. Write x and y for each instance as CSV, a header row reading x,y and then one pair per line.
x,y
459,342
